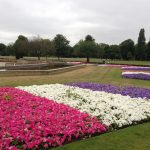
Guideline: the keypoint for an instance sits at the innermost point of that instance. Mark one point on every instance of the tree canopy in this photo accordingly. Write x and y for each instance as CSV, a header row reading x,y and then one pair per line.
x,y
141,46
86,48
127,49
59,47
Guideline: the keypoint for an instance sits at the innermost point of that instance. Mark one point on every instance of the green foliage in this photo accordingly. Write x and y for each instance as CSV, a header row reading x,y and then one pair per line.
x,y
89,38
86,48
2,49
48,48
127,49
101,49
61,45
148,51
112,52
20,46
2,46
141,46
129,56
41,47
10,51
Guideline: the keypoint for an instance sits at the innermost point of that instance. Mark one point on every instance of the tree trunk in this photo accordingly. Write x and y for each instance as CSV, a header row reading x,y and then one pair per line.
x,y
58,58
38,58
88,59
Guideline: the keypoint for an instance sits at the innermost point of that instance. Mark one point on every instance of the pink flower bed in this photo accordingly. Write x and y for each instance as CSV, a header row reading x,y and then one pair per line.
x,y
28,121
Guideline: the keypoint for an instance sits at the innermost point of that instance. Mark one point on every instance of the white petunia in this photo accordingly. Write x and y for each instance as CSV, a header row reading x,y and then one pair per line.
x,y
111,109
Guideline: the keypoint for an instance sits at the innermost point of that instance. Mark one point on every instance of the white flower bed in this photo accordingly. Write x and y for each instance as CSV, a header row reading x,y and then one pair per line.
x,y
111,109
131,72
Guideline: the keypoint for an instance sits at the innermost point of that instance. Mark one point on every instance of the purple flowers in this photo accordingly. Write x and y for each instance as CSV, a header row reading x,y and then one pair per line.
x,y
136,75
131,91
28,121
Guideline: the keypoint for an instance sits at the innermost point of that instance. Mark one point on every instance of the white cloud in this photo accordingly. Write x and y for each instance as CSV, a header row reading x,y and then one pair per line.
x,y
108,21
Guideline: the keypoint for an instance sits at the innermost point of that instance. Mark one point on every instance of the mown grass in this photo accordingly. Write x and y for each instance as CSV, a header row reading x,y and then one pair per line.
x,y
131,138
97,60
147,63
92,60
93,73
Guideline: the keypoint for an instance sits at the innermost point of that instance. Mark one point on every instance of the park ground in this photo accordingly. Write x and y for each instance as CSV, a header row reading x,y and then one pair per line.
x,y
132,138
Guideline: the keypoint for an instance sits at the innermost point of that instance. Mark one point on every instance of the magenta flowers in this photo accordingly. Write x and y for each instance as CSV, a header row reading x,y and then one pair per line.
x,y
28,121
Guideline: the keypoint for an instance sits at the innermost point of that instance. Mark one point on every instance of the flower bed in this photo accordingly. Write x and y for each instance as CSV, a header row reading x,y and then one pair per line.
x,y
74,62
136,75
114,110
133,92
28,121
136,68
112,65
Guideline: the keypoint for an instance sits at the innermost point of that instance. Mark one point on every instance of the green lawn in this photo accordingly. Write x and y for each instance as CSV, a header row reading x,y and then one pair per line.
x,y
96,60
107,75
131,138
131,62
93,60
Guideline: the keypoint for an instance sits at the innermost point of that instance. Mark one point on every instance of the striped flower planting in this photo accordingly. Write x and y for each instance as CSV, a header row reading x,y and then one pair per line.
x,y
136,75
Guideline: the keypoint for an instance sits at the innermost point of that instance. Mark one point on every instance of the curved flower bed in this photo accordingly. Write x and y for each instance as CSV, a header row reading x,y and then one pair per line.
x,y
136,75
74,62
31,122
136,68
112,65
134,92
114,110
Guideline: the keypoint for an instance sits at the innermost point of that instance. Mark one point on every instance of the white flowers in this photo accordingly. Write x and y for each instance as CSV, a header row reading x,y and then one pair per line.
x,y
111,109
130,72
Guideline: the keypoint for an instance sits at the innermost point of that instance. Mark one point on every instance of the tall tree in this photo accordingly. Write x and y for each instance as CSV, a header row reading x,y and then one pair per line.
x,y
21,46
141,46
87,48
101,50
36,47
148,51
48,48
114,52
10,51
2,49
61,45
89,38
127,49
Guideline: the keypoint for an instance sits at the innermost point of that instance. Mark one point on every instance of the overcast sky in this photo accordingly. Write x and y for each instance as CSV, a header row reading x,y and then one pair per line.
x,y
109,21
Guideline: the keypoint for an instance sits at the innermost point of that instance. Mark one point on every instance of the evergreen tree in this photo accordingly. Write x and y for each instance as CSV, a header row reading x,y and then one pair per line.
x,y
61,45
148,51
141,46
89,38
20,46
2,49
127,49
86,48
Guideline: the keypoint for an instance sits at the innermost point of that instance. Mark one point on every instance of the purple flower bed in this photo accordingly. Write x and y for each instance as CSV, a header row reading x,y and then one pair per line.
x,y
133,92
137,76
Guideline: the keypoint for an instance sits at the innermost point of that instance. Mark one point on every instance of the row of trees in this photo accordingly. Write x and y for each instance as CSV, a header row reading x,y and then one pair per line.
x,y
59,46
